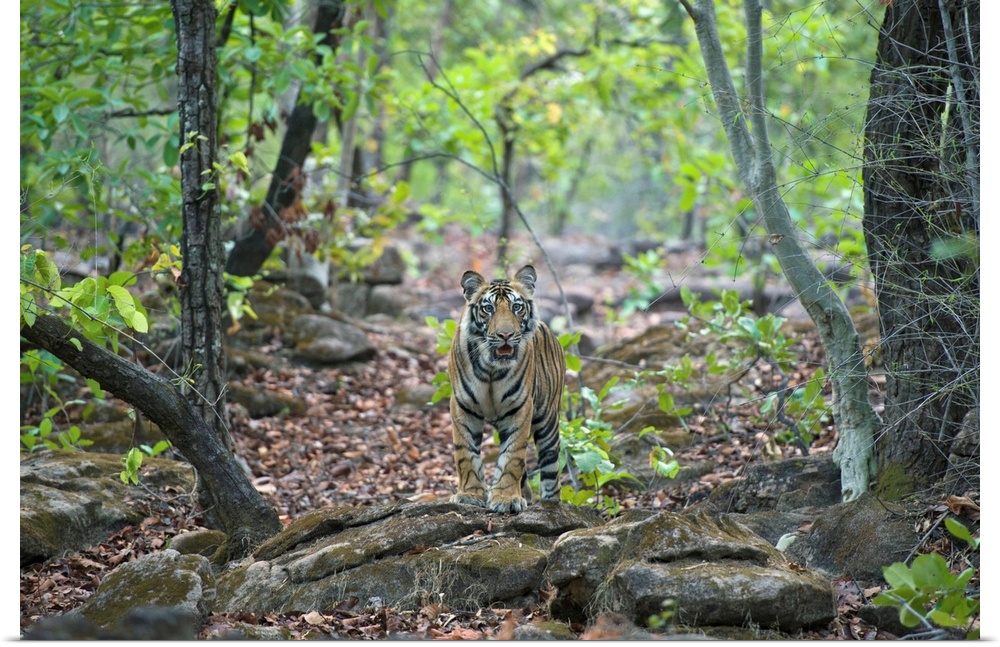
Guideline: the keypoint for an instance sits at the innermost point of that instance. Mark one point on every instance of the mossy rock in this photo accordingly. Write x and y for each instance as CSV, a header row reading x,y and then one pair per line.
x,y
164,579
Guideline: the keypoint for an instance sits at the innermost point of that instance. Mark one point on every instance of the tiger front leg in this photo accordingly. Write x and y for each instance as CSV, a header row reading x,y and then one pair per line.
x,y
467,434
505,494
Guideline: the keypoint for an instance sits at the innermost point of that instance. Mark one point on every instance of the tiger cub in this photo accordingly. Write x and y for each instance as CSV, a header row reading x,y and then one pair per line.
x,y
506,368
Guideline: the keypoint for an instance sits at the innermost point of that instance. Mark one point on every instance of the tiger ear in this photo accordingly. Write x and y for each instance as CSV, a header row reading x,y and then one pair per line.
x,y
526,276
471,282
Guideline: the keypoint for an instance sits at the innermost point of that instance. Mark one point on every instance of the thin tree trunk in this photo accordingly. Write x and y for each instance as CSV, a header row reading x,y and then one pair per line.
x,y
245,517
223,490
252,249
856,419
921,181
201,241
508,132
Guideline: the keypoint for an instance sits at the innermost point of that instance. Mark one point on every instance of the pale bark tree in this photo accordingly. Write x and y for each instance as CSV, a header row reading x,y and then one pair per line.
x,y
745,123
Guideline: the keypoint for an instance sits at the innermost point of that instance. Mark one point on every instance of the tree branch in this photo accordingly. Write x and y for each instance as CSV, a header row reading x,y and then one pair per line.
x,y
163,403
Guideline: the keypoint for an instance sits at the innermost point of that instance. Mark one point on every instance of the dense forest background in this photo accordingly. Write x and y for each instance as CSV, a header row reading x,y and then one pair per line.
x,y
598,119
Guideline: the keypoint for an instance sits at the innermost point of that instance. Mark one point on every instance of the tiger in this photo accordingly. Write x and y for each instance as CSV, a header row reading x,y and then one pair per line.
x,y
506,368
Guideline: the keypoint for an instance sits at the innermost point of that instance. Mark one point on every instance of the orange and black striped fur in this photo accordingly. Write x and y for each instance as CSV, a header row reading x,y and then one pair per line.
x,y
508,369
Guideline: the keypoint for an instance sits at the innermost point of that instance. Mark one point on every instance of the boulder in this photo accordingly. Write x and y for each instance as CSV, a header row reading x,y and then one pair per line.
x,y
790,484
388,269
391,300
716,572
117,437
401,555
261,403
305,274
857,539
275,306
321,340
407,555
204,541
73,499
161,580
140,623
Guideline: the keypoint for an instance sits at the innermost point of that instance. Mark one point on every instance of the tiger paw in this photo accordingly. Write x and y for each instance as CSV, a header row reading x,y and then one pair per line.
x,y
470,499
507,504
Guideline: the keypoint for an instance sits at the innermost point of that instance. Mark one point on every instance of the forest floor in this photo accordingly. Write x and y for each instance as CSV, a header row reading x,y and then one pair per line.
x,y
355,446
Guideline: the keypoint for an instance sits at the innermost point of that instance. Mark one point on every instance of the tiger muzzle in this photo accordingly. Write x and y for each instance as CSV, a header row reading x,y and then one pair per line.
x,y
506,350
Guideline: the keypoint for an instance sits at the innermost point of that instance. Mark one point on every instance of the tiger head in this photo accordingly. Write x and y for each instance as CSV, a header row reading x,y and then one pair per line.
x,y
500,315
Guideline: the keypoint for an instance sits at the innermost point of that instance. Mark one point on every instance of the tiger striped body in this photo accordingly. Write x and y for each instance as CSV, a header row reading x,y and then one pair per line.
x,y
506,368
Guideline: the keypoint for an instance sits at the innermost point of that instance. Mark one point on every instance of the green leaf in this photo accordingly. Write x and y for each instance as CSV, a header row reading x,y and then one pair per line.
x,y
140,323
960,532
573,362
897,575
95,386
610,384
252,53
60,112
28,307
351,106
239,160
930,572
589,460
124,302
122,278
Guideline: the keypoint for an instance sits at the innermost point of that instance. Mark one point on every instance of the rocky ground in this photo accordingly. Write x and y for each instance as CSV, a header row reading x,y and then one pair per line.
x,y
362,433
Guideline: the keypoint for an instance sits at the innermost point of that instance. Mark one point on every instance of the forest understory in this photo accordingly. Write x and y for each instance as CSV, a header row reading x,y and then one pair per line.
x,y
367,438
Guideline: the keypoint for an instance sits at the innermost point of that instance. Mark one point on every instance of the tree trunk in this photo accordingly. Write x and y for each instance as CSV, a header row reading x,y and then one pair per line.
x,y
224,492
252,249
921,183
508,132
244,514
202,295
852,410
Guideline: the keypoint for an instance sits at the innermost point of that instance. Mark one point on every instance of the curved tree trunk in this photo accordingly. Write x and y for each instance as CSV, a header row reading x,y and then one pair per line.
x,y
243,513
856,419
921,183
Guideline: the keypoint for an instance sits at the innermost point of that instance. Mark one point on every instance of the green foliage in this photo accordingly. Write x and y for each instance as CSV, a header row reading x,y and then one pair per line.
x,y
731,321
806,406
929,594
44,434
237,303
664,618
157,449
586,450
567,341
100,307
131,462
643,268
445,334
754,340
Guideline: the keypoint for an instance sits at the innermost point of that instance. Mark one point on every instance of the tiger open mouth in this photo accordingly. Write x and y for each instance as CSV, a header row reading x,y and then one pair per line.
x,y
504,352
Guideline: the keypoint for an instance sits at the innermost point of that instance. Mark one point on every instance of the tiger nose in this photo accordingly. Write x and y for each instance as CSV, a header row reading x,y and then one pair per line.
x,y
505,336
